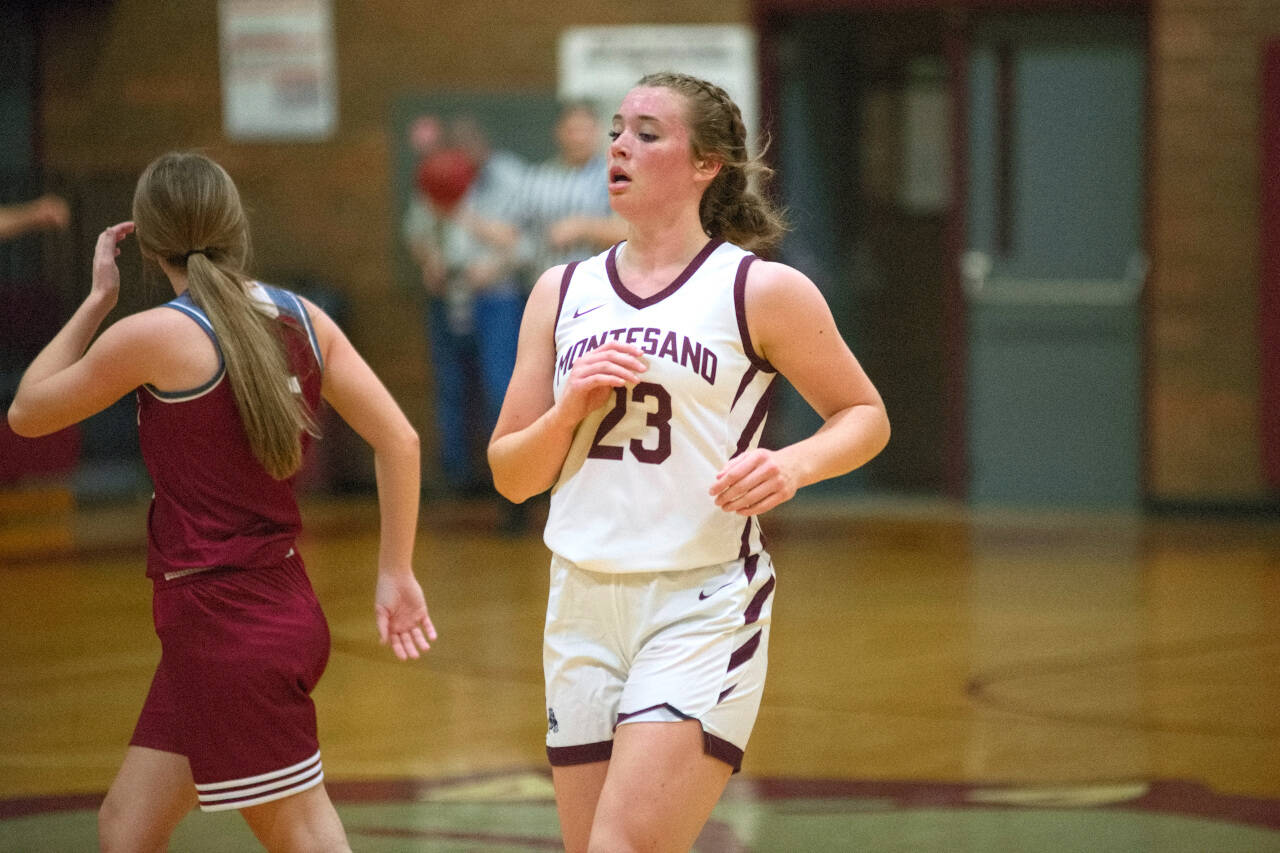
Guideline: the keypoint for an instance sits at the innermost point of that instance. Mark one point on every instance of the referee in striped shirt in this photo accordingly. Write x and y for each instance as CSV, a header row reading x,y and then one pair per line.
x,y
562,208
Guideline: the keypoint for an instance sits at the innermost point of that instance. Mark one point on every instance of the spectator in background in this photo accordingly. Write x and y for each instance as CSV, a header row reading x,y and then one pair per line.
x,y
458,231
563,206
45,213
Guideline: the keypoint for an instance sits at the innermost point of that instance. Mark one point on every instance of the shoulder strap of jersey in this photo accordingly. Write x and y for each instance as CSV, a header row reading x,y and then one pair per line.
x,y
289,304
740,308
185,304
564,288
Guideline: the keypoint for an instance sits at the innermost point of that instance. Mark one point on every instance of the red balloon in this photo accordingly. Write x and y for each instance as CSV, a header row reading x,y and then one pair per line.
x,y
445,175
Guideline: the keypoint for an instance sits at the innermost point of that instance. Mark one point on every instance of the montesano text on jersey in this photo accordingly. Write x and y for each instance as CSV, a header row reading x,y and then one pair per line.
x,y
644,462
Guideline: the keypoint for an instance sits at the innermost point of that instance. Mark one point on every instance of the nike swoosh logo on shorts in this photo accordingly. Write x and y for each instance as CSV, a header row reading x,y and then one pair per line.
x,y
703,596
578,312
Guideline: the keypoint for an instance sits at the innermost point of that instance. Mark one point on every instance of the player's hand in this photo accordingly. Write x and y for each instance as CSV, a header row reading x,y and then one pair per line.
x,y
400,611
753,483
106,275
595,374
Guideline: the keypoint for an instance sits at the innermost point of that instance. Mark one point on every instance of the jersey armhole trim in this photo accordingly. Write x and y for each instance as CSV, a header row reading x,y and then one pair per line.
x,y
740,308
304,317
190,394
564,290
184,304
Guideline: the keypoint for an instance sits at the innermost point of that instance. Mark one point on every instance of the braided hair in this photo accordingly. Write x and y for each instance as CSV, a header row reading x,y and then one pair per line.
x,y
732,208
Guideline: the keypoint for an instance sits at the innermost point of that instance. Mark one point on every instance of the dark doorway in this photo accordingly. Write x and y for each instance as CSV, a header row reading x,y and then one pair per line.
x,y
863,151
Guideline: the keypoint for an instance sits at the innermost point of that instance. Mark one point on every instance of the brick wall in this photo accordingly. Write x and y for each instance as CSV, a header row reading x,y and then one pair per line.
x,y
1202,367
124,81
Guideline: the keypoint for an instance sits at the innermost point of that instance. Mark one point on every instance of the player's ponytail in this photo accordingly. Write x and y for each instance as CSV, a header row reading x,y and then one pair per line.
x,y
733,207
187,210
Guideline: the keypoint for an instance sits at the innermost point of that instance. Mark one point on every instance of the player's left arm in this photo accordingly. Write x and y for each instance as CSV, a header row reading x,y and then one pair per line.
x,y
791,326
360,399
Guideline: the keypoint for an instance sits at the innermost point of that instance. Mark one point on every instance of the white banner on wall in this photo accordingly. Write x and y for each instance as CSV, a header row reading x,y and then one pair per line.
x,y
603,63
278,78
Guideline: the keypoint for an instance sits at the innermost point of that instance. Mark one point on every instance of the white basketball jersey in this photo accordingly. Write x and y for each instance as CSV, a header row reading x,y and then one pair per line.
x,y
633,493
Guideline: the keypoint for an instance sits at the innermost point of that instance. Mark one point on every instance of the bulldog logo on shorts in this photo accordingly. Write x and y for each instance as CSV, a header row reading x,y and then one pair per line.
x,y
552,725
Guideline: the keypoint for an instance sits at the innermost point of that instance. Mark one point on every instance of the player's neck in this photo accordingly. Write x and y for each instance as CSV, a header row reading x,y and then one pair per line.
x,y
662,244
176,275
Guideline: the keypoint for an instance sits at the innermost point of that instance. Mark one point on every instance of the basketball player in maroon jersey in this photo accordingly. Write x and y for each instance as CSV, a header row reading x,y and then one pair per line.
x,y
228,377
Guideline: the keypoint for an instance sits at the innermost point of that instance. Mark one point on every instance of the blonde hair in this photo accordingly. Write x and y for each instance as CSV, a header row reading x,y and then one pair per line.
x,y
732,207
187,210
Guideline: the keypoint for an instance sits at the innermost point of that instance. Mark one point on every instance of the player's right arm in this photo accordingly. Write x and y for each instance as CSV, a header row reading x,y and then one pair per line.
x,y
534,430
71,378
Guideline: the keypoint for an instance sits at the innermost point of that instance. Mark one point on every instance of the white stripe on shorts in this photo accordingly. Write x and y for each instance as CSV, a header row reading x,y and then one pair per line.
x,y
263,788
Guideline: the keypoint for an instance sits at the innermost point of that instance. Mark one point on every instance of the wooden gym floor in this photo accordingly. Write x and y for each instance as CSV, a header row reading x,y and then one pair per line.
x,y
940,679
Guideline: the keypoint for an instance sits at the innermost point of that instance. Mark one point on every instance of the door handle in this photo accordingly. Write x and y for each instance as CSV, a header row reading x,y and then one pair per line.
x,y
976,267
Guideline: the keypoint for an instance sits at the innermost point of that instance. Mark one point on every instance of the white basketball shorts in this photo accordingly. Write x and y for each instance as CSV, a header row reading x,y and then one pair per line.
x,y
655,646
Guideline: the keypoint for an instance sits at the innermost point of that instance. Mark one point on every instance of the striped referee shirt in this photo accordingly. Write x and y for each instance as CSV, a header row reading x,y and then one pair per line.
x,y
553,191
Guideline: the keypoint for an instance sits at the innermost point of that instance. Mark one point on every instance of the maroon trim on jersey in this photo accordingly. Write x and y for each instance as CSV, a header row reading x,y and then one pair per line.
x,y
716,747
611,267
756,419
587,753
623,717
744,652
721,749
742,386
752,613
564,291
744,553
724,694
749,563
740,309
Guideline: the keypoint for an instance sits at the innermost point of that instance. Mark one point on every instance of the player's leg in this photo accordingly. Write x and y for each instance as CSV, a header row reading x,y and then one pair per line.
x,y
578,789
688,706
583,669
305,822
150,795
660,790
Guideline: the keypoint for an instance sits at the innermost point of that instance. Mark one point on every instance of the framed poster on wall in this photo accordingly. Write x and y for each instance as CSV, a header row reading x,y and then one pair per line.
x,y
601,63
277,65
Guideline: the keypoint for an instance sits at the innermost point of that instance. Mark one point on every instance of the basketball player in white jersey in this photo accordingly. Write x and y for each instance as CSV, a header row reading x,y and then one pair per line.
x,y
639,397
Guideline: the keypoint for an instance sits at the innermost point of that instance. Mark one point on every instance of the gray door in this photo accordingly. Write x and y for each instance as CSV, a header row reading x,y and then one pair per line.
x,y
1054,264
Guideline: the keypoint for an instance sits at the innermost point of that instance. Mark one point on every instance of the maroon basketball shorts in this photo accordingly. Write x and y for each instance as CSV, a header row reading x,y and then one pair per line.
x,y
240,652
655,647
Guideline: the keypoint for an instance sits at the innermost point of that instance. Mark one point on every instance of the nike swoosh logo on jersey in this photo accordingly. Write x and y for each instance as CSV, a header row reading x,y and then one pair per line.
x,y
578,312
703,596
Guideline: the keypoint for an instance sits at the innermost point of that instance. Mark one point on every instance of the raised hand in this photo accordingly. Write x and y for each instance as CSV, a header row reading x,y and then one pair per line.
x,y
106,275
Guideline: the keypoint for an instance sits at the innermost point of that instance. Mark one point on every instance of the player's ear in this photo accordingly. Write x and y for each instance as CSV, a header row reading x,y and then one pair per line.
x,y
707,167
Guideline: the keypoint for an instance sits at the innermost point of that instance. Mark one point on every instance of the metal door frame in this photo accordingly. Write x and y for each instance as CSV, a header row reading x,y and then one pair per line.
x,y
770,18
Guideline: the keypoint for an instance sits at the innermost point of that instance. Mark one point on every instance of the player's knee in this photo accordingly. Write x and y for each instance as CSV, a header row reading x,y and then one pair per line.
x,y
118,831
295,840
110,824
610,837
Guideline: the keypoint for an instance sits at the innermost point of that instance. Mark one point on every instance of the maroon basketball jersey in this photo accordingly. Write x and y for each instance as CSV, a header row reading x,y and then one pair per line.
x,y
214,503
